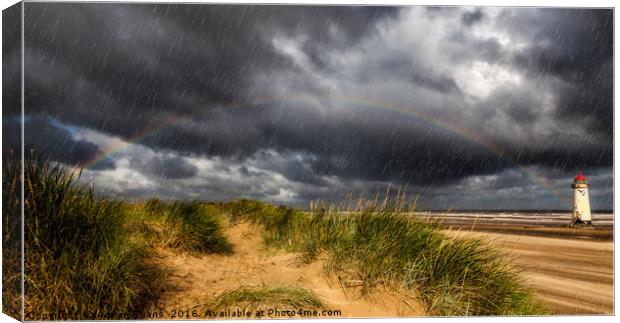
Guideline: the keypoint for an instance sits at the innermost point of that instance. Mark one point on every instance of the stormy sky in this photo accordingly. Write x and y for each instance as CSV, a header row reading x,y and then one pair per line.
x,y
460,107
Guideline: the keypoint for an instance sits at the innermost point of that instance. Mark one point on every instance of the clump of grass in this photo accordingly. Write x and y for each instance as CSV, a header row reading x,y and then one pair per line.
x,y
80,258
11,236
155,206
279,223
379,245
186,226
195,228
244,209
452,276
264,297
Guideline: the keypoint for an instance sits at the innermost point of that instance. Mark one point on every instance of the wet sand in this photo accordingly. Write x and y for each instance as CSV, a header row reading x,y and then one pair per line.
x,y
570,269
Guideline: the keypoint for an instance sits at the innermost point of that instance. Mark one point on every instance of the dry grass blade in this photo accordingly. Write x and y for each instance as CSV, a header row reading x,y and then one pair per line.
x,y
264,297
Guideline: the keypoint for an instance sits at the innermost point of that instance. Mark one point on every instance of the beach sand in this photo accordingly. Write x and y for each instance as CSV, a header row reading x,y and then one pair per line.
x,y
569,269
197,278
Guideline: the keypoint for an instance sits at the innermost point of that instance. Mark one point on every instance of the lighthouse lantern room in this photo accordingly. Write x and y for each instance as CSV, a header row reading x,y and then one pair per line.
x,y
581,201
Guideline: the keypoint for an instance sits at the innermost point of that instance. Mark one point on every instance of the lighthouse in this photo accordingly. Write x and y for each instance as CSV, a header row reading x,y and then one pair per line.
x,y
581,201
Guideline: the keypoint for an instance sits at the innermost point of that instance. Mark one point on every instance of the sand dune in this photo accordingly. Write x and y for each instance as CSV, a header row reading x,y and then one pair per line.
x,y
201,277
571,270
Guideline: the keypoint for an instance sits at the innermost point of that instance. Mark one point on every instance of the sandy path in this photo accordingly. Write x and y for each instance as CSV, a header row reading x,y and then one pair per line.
x,y
571,276
199,277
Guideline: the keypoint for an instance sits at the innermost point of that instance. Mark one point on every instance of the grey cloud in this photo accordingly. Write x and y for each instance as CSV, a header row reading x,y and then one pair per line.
x,y
50,141
471,17
209,81
170,168
575,46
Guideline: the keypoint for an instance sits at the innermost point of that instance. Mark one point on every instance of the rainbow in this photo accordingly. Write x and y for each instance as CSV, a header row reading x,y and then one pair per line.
x,y
472,137
112,149
428,119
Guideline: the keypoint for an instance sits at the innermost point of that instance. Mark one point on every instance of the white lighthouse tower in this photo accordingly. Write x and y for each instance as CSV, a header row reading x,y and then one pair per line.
x,y
581,201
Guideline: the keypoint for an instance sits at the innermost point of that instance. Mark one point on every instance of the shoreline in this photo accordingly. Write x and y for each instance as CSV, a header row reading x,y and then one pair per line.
x,y
552,225
603,234
570,269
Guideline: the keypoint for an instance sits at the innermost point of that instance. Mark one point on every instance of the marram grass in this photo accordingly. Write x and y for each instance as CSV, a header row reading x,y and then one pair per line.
x,y
81,261
11,235
378,245
185,226
265,297
91,256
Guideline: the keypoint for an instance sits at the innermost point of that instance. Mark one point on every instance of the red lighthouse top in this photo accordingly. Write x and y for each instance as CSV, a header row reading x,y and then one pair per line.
x,y
580,178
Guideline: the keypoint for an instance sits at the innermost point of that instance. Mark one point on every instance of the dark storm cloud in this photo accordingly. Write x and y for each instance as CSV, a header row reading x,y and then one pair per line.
x,y
472,48
397,150
50,141
440,83
576,46
144,62
396,66
11,61
234,81
471,17
170,168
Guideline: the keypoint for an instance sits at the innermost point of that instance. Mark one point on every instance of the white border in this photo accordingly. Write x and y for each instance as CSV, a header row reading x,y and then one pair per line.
x,y
522,3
